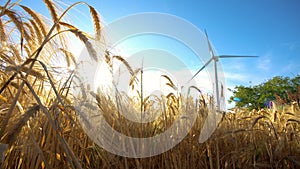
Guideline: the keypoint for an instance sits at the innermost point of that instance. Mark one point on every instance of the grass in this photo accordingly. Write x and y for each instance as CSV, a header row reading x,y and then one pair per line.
x,y
40,127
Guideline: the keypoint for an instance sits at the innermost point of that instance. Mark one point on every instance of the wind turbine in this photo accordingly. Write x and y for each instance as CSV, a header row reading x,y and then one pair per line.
x,y
216,59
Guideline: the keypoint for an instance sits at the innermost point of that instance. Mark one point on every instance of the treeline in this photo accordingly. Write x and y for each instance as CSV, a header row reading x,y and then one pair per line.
x,y
283,90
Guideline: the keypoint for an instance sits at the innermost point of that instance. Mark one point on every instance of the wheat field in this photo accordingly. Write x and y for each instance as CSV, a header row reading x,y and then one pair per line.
x,y
39,125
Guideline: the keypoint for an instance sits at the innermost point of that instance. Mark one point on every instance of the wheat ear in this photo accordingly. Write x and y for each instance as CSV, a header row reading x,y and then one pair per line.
x,y
96,21
36,19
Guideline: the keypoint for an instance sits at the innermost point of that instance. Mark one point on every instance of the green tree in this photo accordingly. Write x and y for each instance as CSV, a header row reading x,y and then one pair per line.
x,y
255,97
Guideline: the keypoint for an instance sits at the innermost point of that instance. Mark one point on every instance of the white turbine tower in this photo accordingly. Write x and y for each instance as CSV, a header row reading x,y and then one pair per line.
x,y
216,59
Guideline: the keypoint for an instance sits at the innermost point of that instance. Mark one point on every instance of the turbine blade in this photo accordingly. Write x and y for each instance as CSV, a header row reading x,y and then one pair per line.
x,y
235,56
209,45
200,70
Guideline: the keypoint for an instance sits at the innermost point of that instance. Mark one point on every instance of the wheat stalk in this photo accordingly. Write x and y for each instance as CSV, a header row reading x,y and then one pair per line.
x,y
15,129
36,19
170,82
27,49
18,22
3,37
37,31
3,148
51,6
96,21
33,38
127,65
69,56
69,153
35,73
84,38
133,78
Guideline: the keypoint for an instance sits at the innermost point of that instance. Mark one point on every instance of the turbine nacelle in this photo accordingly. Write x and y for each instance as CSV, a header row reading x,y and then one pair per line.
x,y
216,58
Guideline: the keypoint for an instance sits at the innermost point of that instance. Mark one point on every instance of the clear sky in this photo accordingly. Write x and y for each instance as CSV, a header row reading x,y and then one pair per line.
x,y
267,28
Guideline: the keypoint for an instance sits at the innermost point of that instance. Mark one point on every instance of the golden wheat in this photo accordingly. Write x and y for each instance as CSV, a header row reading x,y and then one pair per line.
x,y
96,22
36,19
47,134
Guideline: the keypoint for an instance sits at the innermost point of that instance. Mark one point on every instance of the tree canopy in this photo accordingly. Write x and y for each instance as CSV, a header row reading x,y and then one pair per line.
x,y
281,89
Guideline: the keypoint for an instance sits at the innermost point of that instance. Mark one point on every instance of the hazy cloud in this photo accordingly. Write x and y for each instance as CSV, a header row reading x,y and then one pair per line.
x,y
290,45
264,62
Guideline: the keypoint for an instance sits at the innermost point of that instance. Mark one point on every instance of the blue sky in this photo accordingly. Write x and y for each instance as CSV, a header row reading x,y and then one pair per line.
x,y
267,28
